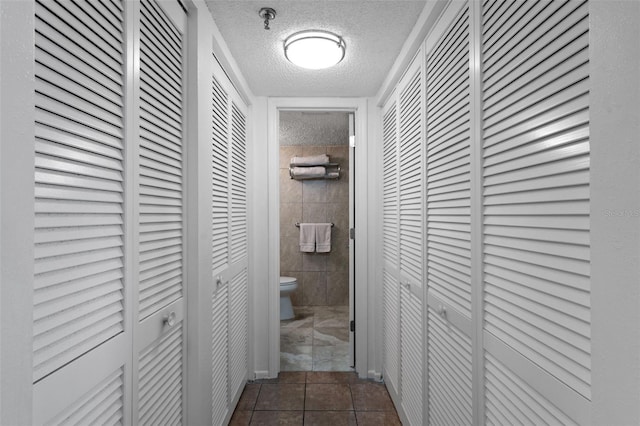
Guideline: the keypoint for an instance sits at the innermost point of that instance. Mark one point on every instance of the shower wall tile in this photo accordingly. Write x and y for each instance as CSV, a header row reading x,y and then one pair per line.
x,y
290,214
338,191
314,191
290,254
315,288
314,212
338,287
290,189
337,214
314,262
339,259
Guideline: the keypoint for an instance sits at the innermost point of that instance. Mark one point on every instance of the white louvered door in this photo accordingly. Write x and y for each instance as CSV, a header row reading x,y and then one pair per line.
x,y
230,307
536,211
448,195
390,231
220,258
403,227
80,343
411,239
159,334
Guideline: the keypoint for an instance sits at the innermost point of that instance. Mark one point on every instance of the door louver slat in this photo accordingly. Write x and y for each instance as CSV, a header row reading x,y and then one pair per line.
x,y
220,167
238,331
412,362
238,185
160,160
391,324
220,361
78,184
449,373
410,179
390,187
160,380
449,167
103,405
511,400
536,193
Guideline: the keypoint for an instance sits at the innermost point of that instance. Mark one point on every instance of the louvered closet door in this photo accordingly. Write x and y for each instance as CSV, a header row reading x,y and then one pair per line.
x,y
229,244
390,231
536,204
449,220
79,331
411,189
220,230
159,338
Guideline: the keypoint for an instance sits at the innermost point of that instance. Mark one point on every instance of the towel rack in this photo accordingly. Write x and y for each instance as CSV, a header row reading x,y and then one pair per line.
x,y
298,224
333,171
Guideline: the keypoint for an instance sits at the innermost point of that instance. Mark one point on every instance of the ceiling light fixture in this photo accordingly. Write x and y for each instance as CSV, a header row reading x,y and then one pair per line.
x,y
314,49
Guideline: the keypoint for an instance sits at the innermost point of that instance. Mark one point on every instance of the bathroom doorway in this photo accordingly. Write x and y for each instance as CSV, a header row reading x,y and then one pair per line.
x,y
316,176
361,212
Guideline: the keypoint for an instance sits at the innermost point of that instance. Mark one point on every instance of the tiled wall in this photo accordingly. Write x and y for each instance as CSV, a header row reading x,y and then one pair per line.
x,y
323,278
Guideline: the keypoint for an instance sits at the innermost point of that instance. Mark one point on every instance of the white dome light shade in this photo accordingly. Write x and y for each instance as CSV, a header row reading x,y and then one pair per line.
x,y
314,49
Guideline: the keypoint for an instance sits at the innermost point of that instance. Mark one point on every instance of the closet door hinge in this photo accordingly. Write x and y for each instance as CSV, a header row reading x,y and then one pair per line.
x,y
352,233
352,326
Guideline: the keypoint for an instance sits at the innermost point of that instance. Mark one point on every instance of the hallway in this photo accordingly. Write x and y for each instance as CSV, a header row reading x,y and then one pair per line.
x,y
493,227
315,398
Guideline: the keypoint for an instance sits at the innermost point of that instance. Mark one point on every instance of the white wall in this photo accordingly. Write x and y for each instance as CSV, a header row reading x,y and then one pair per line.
x,y
615,211
16,209
199,215
374,212
259,238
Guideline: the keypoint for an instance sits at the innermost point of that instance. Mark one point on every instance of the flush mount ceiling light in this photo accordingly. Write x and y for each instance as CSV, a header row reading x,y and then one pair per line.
x,y
314,49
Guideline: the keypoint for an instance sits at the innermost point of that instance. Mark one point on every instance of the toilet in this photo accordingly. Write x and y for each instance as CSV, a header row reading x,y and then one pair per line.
x,y
287,286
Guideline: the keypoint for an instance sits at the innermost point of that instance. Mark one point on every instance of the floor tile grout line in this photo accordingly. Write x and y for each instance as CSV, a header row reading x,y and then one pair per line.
x,y
304,401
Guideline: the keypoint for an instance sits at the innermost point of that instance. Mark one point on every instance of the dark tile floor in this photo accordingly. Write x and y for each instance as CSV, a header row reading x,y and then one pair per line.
x,y
315,398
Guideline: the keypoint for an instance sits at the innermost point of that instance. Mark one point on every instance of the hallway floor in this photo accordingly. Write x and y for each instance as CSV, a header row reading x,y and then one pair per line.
x,y
315,398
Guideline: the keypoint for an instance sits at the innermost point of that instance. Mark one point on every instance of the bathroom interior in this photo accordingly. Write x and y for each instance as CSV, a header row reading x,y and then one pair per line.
x,y
314,336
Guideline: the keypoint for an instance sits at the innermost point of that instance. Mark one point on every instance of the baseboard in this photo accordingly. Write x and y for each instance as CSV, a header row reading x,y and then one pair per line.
x,y
261,374
374,375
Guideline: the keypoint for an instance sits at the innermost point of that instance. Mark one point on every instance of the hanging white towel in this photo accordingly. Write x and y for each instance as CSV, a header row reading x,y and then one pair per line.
x,y
307,237
308,172
323,237
312,160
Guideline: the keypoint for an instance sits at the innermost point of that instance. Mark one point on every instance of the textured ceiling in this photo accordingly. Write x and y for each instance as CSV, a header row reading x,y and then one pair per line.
x,y
374,31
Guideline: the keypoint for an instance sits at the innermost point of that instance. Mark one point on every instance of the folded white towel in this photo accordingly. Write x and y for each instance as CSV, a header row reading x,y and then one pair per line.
x,y
307,237
308,172
323,237
312,160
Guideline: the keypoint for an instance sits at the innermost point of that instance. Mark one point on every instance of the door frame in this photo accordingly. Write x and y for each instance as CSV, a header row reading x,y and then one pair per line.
x,y
358,106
